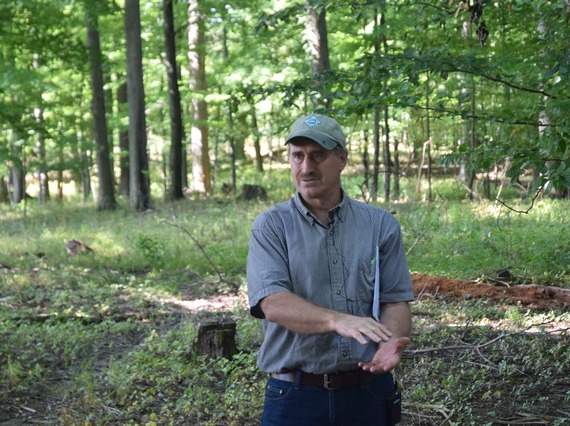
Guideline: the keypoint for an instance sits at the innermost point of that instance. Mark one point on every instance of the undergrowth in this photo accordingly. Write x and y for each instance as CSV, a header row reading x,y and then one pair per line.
x,y
100,338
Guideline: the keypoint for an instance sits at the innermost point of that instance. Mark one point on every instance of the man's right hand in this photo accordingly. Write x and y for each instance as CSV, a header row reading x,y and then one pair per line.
x,y
360,328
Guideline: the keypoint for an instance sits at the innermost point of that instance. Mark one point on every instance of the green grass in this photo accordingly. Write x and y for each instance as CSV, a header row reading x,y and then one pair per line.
x,y
100,337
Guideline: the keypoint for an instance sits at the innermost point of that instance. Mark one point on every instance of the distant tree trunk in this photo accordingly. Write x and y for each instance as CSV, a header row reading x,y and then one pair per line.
x,y
83,172
201,176
4,193
376,157
231,139
472,139
124,178
139,192
386,148
18,182
469,126
317,37
256,138
396,170
428,132
175,159
365,164
376,138
43,180
106,193
387,157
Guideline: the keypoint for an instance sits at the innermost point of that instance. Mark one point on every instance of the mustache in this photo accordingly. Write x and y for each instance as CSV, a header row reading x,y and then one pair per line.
x,y
312,175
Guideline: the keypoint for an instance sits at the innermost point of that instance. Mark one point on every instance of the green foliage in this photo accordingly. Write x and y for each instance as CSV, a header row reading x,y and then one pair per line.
x,y
111,333
498,238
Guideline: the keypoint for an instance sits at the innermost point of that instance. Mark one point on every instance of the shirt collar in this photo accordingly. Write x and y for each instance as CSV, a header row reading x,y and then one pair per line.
x,y
339,211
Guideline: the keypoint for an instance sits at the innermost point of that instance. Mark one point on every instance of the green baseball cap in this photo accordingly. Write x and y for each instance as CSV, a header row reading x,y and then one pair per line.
x,y
322,129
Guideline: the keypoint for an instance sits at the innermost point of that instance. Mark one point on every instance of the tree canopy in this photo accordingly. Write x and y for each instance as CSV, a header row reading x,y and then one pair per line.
x,y
483,85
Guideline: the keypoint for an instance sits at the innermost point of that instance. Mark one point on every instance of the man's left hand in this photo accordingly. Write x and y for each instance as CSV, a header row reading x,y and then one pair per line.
x,y
387,357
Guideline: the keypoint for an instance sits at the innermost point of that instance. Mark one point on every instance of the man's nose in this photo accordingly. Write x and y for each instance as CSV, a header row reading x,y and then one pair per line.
x,y
308,164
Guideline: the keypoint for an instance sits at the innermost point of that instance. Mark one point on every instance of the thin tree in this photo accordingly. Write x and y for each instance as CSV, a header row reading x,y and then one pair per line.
x,y
139,192
175,110
201,176
106,194
124,178
317,37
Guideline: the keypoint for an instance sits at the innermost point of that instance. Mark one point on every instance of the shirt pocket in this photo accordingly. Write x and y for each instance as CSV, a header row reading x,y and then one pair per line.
x,y
364,292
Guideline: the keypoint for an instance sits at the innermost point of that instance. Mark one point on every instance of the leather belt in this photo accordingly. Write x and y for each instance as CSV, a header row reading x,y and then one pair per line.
x,y
329,381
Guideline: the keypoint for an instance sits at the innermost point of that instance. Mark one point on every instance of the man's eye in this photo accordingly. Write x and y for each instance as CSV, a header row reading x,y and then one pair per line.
x,y
318,156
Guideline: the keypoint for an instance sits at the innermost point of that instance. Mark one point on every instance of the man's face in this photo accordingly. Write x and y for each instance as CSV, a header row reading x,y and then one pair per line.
x,y
315,170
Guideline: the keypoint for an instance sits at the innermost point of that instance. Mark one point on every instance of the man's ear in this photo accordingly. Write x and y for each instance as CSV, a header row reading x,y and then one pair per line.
x,y
343,160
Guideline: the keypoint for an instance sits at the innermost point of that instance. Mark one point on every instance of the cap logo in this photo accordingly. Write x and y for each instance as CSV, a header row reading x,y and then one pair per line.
x,y
312,121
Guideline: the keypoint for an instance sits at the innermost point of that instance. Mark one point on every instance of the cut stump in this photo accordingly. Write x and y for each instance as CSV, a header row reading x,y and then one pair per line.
x,y
217,338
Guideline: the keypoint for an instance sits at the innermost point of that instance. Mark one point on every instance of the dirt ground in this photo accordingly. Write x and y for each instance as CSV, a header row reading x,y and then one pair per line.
x,y
532,296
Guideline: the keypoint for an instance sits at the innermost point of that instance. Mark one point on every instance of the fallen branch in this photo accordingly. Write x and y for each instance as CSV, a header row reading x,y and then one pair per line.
x,y
473,347
437,408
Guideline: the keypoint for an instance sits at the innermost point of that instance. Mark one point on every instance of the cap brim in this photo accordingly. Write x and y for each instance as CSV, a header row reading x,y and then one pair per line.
x,y
318,137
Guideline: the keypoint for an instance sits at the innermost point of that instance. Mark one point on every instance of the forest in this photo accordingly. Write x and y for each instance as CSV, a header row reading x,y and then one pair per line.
x,y
102,99
139,140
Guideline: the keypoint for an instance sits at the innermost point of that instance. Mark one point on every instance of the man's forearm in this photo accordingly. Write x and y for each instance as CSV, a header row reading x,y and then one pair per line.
x,y
397,318
298,315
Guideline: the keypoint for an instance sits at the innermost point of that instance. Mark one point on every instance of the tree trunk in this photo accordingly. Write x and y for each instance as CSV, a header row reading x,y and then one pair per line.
x,y
256,138
376,157
139,192
231,139
43,181
124,178
387,157
106,193
472,140
396,171
428,134
317,37
18,182
175,159
201,176
4,193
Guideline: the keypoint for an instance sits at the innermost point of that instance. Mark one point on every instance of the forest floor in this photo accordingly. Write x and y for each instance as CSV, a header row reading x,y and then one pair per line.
x,y
32,408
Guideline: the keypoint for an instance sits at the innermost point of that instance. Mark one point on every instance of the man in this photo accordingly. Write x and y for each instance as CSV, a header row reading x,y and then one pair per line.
x,y
315,266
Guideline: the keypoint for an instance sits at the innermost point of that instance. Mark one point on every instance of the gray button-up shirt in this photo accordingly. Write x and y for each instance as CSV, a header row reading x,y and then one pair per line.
x,y
331,266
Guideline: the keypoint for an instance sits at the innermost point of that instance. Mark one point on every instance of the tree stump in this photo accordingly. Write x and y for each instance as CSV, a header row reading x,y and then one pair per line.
x,y
217,338
253,192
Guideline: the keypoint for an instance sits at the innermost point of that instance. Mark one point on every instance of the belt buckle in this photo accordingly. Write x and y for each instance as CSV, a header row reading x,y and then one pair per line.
x,y
327,382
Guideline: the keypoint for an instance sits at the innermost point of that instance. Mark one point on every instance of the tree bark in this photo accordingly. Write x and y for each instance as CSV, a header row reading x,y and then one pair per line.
x,y
124,179
256,138
106,193
376,157
387,157
317,37
4,194
201,176
43,181
139,192
175,159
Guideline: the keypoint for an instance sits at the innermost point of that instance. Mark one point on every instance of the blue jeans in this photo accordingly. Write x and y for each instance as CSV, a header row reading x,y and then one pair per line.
x,y
291,404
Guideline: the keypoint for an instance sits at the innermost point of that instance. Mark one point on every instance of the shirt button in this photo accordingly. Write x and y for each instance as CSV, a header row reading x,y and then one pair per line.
x,y
331,232
334,261
338,292
345,354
